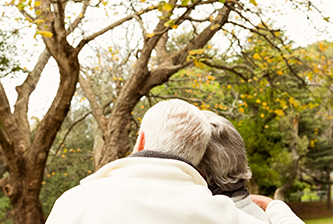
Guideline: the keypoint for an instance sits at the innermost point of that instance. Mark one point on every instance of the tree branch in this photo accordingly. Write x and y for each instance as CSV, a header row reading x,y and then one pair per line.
x,y
23,93
231,69
79,18
7,119
84,41
176,61
96,110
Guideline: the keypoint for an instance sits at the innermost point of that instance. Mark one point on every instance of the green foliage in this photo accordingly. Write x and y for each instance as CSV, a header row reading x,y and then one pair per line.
x,y
5,208
8,65
71,163
261,91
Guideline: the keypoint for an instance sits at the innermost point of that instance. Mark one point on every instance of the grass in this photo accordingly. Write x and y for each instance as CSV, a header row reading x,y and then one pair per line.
x,y
319,221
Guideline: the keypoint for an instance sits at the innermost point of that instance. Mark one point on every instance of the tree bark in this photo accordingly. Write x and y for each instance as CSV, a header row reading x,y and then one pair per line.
x,y
280,193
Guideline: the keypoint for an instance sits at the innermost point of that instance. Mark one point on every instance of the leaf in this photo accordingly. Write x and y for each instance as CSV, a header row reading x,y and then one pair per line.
x,y
185,2
37,3
279,112
216,26
44,33
254,2
199,64
327,19
189,58
256,56
169,23
196,51
21,6
38,12
222,1
38,21
168,7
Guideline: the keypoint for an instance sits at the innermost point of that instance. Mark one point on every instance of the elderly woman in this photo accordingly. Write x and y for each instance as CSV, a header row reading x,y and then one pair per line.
x,y
225,167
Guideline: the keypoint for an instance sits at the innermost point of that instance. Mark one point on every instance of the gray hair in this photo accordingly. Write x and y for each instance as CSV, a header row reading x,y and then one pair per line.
x,y
176,127
224,162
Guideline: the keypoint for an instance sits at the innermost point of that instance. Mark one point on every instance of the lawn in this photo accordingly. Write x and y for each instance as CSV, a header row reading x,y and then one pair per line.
x,y
319,221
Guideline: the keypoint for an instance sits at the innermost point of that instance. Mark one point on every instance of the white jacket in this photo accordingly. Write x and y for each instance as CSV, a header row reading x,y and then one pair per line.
x,y
153,191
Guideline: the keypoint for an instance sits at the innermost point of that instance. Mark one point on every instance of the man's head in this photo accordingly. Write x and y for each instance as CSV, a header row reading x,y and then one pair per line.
x,y
224,162
175,127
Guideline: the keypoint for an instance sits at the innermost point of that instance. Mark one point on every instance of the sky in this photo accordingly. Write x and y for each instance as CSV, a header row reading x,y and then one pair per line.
x,y
297,27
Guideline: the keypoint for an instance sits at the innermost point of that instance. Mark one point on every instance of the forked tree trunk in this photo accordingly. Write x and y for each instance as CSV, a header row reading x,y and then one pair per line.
x,y
26,160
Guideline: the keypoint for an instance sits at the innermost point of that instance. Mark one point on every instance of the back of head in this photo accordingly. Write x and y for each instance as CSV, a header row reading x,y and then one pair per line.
x,y
224,162
176,127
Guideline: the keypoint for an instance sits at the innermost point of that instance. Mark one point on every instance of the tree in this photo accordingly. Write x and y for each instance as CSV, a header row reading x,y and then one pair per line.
x,y
25,157
319,157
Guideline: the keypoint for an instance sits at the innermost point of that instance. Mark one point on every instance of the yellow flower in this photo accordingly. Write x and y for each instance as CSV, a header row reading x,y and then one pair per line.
x,y
279,112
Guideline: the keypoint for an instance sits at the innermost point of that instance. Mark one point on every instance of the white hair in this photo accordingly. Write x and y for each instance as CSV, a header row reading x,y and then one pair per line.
x,y
176,127
224,162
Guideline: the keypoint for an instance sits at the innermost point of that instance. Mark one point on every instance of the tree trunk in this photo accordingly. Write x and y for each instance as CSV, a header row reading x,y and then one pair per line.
x,y
280,193
27,207
253,186
329,189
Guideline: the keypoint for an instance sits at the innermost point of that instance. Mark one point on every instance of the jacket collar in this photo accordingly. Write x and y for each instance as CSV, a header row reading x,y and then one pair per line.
x,y
151,167
160,155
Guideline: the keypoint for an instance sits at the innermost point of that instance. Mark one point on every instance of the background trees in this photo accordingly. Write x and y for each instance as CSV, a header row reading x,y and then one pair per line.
x,y
135,46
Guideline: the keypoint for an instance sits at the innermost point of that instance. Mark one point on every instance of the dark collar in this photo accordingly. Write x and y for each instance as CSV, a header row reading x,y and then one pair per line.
x,y
160,155
236,189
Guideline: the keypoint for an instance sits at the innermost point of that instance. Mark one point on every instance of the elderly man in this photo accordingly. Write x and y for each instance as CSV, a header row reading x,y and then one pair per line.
x,y
158,183
226,170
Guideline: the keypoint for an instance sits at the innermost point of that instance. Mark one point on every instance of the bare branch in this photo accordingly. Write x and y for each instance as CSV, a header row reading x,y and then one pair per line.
x,y
84,41
27,15
23,93
79,18
96,110
160,47
6,117
176,61
193,100
231,69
